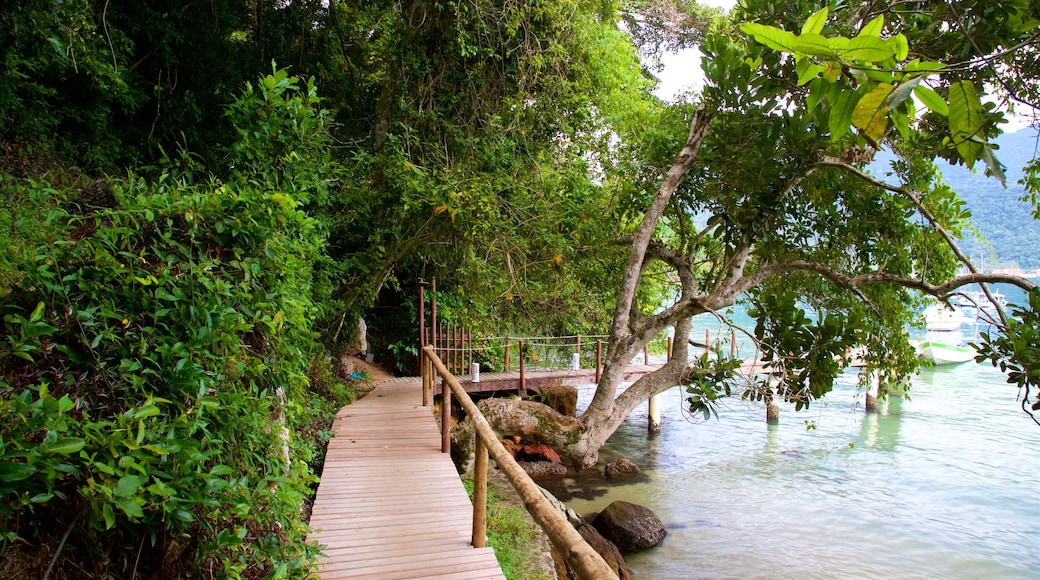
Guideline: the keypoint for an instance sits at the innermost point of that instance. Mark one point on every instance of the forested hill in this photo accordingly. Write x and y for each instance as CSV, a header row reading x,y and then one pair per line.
x,y
1009,233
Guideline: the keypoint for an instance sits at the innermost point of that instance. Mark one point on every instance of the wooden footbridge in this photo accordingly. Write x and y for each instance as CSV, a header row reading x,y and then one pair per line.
x,y
390,503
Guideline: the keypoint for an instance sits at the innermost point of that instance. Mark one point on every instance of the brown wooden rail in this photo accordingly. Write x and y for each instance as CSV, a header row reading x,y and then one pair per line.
x,y
580,556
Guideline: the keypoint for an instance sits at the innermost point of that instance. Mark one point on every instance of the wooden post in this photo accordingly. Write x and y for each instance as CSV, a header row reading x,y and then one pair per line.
x,y
433,320
422,329
707,340
579,346
445,417
568,542
480,476
733,343
646,354
671,343
427,375
599,359
507,355
523,381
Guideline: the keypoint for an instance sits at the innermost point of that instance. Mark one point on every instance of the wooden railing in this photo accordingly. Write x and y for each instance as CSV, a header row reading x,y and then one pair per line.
x,y
580,556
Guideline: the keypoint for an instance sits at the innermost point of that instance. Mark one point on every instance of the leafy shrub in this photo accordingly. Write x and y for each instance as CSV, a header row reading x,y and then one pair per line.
x,y
156,340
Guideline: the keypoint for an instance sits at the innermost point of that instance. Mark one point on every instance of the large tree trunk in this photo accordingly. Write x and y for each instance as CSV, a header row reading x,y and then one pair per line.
x,y
581,438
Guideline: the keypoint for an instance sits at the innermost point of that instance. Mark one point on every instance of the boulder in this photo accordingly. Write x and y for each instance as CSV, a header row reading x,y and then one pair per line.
x,y
359,344
620,467
607,550
563,399
543,469
631,527
611,555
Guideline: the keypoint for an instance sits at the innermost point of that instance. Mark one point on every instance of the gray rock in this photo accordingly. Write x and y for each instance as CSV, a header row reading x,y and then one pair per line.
x,y
620,467
543,469
631,527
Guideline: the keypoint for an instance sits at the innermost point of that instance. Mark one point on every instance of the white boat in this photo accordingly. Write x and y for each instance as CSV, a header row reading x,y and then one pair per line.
x,y
943,317
977,300
941,353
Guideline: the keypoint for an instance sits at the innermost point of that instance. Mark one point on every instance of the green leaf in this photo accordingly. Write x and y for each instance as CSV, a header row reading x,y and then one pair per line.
x,y
127,486
10,471
182,515
130,507
868,49
775,38
66,445
966,118
842,107
814,45
871,113
814,25
145,412
807,71
932,100
65,404
902,92
873,28
900,46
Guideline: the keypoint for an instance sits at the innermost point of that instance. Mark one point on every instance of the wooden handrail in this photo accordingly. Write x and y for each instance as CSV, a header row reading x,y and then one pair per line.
x,y
581,557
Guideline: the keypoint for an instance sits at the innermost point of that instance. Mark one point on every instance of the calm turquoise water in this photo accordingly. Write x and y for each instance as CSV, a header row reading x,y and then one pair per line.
x,y
945,485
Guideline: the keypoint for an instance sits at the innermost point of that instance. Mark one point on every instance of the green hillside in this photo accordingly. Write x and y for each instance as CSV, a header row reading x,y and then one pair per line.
x,y
1008,236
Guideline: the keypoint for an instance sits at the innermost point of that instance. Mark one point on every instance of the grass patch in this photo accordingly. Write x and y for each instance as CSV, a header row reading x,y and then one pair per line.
x,y
518,542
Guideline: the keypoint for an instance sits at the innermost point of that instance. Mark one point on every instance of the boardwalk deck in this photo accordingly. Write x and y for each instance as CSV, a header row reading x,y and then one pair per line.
x,y
390,504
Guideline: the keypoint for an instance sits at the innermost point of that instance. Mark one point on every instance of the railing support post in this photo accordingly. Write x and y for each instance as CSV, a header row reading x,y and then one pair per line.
x,y
507,355
599,359
523,381
480,476
445,417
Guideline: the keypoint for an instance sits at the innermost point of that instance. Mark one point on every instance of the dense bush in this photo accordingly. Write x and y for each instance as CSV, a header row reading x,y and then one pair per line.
x,y
156,341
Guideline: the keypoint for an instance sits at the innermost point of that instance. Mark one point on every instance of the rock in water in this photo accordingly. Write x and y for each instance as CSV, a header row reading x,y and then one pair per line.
x,y
620,467
631,527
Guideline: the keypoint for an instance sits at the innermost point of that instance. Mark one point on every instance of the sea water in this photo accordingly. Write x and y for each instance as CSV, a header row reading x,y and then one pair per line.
x,y
943,485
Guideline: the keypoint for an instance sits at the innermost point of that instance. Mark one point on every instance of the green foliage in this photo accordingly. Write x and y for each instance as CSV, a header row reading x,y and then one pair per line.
x,y
517,541
1016,351
864,81
150,347
711,381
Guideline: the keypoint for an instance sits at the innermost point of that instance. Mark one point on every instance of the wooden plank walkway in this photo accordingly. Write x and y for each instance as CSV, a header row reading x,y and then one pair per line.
x,y
390,505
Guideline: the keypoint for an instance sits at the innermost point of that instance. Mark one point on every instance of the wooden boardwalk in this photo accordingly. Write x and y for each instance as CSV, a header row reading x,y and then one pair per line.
x,y
390,504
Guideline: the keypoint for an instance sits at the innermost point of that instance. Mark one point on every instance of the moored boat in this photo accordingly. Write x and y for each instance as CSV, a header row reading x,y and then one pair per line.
x,y
942,353
943,317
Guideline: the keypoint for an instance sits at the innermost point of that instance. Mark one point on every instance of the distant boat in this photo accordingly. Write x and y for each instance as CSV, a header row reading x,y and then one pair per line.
x,y
941,353
977,300
943,317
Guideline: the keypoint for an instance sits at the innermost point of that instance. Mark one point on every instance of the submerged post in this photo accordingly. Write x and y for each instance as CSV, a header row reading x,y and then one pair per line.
x,y
772,407
873,386
653,424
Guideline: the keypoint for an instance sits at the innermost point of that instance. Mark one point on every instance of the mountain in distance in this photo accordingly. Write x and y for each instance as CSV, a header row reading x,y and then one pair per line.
x,y
1010,235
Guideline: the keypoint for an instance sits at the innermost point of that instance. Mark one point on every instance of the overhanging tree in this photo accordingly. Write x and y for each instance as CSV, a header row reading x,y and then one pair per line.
x,y
768,201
